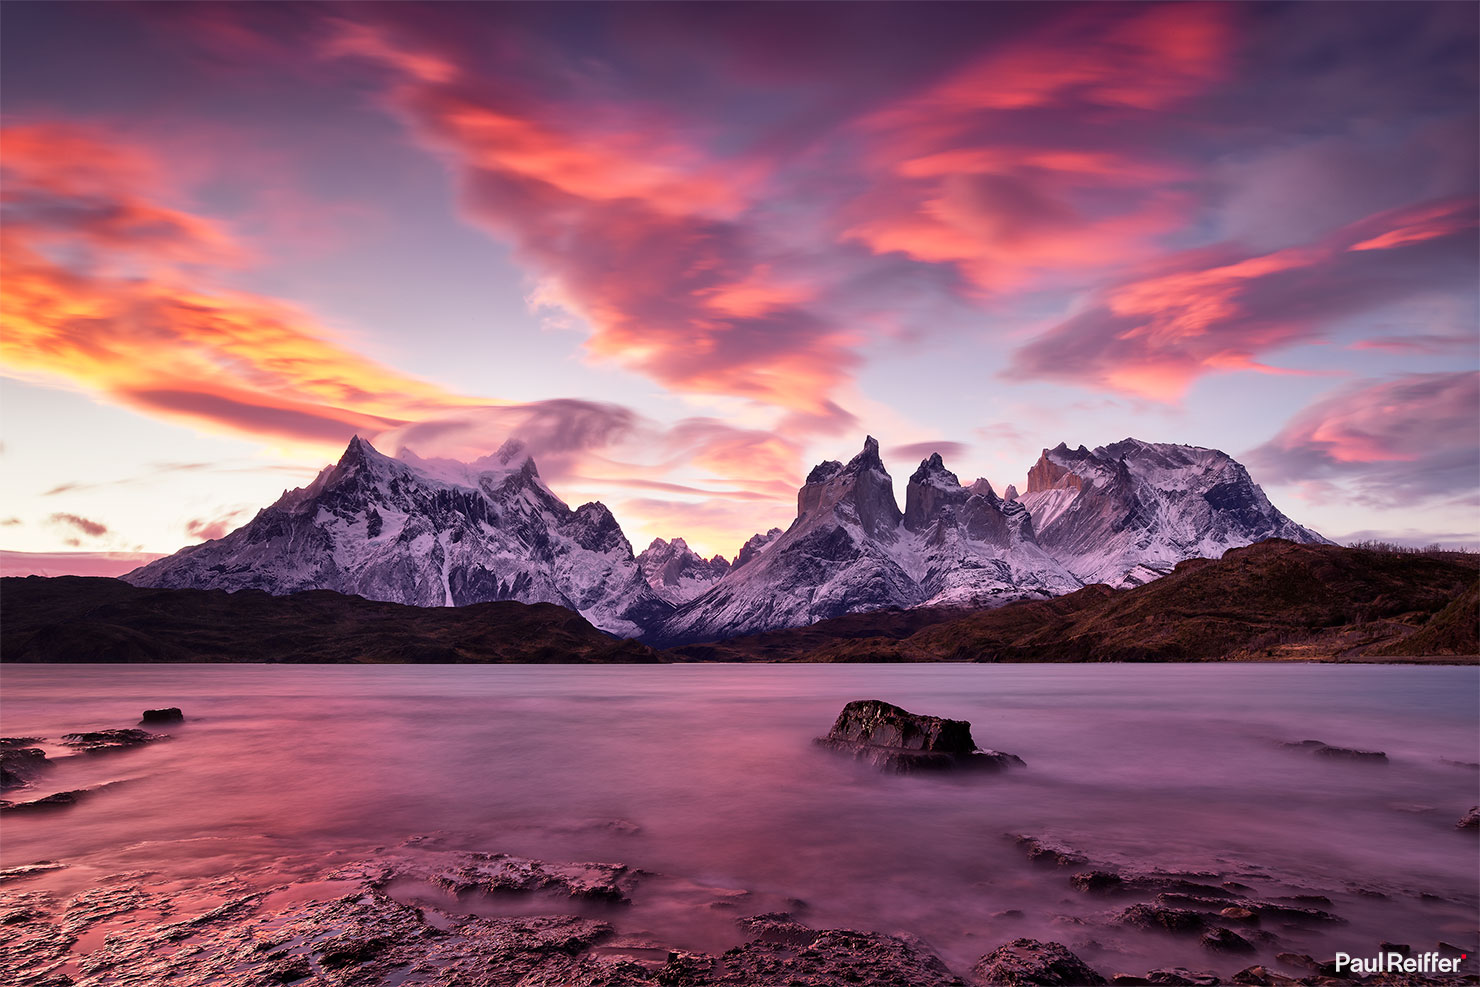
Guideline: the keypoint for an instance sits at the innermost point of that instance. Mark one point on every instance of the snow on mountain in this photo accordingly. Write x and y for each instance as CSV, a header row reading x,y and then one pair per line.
x,y
851,549
1127,513
970,547
676,572
837,557
428,533
432,532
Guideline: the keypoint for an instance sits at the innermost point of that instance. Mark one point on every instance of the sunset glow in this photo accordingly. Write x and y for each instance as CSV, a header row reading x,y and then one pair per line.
x,y
687,251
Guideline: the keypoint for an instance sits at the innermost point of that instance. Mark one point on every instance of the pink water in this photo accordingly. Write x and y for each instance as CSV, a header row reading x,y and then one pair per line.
x,y
282,770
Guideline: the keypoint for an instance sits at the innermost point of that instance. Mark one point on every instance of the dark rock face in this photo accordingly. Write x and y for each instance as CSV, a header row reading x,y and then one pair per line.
x,y
1028,963
170,714
894,739
101,741
19,766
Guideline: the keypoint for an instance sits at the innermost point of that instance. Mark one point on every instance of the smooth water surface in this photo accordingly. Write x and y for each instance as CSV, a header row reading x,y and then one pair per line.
x,y
711,773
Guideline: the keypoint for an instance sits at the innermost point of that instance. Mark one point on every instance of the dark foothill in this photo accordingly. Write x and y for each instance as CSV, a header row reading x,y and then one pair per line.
x,y
100,741
1028,962
1222,940
896,740
170,714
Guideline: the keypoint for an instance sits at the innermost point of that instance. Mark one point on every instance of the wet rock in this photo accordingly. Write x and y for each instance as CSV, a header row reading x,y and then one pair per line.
x,y
1236,913
170,714
9,743
896,740
1471,819
1300,961
1260,976
1176,975
832,957
1320,749
1027,962
1042,851
1097,882
1222,940
1159,917
29,870
103,741
60,800
20,766
498,873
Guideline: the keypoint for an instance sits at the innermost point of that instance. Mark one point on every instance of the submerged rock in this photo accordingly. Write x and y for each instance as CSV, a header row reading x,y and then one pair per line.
x,y
19,766
1160,917
60,800
101,741
1471,819
1320,749
1028,962
894,739
170,714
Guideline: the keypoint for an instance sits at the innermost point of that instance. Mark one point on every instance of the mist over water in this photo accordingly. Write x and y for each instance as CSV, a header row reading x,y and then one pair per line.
x,y
706,774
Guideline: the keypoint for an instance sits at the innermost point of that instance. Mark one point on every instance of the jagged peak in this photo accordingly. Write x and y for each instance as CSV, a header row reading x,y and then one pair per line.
x,y
981,488
358,450
1010,494
510,450
824,471
933,468
868,457
655,546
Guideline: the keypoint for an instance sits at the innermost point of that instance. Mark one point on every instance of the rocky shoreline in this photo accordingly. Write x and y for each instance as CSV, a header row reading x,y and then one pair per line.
x,y
441,910
363,924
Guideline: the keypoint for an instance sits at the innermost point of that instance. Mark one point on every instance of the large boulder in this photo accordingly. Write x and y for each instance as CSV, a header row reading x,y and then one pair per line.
x,y
170,714
894,739
1030,963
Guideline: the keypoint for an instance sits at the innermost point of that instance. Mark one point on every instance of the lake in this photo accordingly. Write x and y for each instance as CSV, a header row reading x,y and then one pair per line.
x,y
706,773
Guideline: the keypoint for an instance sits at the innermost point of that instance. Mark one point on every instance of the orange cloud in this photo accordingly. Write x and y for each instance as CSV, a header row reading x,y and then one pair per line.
x,y
124,321
1152,335
631,229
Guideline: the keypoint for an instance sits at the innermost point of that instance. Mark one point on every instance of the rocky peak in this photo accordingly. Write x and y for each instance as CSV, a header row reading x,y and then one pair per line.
x,y
755,546
862,489
932,489
981,488
824,471
1049,475
1010,494
511,450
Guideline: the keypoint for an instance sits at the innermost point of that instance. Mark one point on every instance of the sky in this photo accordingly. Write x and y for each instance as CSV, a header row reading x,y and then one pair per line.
x,y
686,251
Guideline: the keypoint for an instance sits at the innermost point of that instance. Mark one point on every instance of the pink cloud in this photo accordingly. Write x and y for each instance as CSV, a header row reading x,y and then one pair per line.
x,y
1214,310
1410,439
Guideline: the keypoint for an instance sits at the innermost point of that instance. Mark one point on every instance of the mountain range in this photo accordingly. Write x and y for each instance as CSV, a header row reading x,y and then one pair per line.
x,y
430,533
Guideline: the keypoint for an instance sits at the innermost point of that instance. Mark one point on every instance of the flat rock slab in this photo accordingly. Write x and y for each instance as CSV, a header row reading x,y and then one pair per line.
x,y
102,741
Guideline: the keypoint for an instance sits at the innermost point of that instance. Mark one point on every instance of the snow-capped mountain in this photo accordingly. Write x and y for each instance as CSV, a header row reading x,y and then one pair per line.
x,y
676,572
851,549
441,533
837,557
428,533
1128,512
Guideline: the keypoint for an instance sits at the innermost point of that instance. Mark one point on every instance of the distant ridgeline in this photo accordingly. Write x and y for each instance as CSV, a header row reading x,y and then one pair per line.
x,y
1272,600
434,533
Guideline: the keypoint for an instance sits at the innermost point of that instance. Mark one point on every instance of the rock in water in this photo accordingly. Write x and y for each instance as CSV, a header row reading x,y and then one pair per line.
x,y
170,714
1028,962
1471,820
894,739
